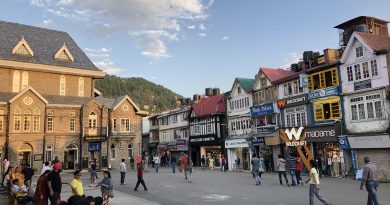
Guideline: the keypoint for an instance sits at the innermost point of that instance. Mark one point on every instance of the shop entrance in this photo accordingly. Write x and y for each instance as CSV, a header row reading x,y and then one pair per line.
x,y
70,156
25,154
211,152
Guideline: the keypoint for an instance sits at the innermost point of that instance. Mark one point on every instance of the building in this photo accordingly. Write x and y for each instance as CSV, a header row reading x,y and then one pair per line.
x,y
265,114
239,154
47,104
207,126
365,73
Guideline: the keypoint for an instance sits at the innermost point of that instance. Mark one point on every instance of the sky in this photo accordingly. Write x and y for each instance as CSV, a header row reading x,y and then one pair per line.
x,y
188,45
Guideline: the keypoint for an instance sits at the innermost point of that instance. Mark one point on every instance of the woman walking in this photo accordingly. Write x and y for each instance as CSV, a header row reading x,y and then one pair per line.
x,y
106,187
315,185
188,170
281,164
41,195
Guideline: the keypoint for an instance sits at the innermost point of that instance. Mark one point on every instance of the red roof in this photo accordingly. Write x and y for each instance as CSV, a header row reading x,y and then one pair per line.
x,y
376,42
275,74
209,106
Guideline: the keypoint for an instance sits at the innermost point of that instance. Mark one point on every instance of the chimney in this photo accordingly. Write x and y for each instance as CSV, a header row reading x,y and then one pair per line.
x,y
331,55
209,92
216,91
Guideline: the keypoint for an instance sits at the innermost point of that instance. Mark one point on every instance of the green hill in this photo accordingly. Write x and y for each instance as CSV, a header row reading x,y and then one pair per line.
x,y
147,95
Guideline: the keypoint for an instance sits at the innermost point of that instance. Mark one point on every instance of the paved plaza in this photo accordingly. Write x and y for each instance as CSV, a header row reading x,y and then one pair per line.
x,y
214,187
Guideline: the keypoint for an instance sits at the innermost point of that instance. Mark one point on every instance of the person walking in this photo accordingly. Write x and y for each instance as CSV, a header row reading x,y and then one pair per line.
x,y
315,185
319,164
203,162
157,161
76,184
292,163
41,195
222,162
132,162
28,173
281,164
45,167
140,176
261,167
188,170
93,167
54,184
122,169
173,163
371,180
184,161
255,168
146,163
106,187
298,170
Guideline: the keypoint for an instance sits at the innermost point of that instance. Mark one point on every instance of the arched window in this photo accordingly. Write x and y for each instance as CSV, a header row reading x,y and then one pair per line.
x,y
113,151
129,150
92,120
81,87
24,80
62,85
16,82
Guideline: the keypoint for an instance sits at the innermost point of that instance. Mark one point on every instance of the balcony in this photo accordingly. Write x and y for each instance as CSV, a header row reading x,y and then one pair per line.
x,y
95,133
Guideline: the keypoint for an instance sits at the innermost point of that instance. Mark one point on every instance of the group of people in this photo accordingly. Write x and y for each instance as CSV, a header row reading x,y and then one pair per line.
x,y
211,162
183,163
140,175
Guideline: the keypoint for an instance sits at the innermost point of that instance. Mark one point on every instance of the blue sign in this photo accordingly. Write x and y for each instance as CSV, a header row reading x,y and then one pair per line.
x,y
323,93
302,80
94,146
260,110
343,142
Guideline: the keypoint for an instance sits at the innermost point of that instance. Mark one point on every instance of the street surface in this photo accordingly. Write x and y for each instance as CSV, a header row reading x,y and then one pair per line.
x,y
214,187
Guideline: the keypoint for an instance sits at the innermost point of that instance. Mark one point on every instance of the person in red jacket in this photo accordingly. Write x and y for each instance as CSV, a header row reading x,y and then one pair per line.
x,y
298,170
140,175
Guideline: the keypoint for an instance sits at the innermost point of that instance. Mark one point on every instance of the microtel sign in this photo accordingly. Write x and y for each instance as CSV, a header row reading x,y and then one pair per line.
x,y
295,134
260,110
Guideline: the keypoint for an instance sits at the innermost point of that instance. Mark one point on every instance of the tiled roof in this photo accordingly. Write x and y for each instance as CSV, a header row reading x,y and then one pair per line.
x,y
210,106
52,99
288,78
246,83
44,43
376,42
274,74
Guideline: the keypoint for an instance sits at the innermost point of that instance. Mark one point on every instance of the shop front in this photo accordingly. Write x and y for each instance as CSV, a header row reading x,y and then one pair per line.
x,y
208,146
177,147
238,154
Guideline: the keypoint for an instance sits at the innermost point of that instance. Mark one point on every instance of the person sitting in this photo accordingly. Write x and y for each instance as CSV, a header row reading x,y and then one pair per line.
x,y
20,193
29,188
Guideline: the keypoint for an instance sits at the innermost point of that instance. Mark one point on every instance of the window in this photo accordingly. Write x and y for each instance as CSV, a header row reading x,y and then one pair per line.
x,y
239,90
114,128
92,120
1,123
359,51
263,82
322,79
327,109
125,125
49,153
16,82
36,123
196,127
50,124
129,150
208,127
26,123
113,153
174,118
349,73
295,117
358,75
72,124
17,123
366,72
81,87
62,85
366,107
374,68
164,136
24,80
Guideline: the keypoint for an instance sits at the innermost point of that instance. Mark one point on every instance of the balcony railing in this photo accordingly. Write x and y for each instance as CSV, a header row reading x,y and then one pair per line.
x,y
95,133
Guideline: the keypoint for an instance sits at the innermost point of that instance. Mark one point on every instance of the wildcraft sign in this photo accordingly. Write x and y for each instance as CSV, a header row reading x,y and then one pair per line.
x,y
294,101
260,110
324,93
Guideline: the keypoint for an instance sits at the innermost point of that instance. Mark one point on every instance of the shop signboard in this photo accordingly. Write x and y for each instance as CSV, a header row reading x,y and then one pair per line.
x,y
343,142
302,80
379,141
260,110
360,85
323,133
236,143
153,144
258,140
293,101
324,93
94,146
203,139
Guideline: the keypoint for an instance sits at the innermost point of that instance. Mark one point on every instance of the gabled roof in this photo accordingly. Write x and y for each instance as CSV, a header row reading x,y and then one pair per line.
x,y
210,106
246,83
288,78
372,42
114,103
32,90
275,74
44,42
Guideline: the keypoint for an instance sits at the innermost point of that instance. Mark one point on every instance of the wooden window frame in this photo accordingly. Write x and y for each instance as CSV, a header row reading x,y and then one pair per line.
x,y
322,79
321,103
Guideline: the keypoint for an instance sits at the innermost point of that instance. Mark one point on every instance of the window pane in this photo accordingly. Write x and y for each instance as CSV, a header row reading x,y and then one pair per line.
x,y
374,68
350,73
318,112
378,109
358,75
362,112
366,73
335,110
370,110
354,112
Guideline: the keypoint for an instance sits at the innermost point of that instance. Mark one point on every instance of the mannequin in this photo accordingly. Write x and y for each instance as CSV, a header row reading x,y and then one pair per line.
x,y
335,164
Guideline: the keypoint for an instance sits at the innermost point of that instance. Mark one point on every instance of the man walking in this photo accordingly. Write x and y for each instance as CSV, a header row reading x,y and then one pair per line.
x,y
281,164
54,184
157,161
146,163
203,162
140,176
255,168
292,163
222,162
314,188
93,171
173,163
122,168
371,180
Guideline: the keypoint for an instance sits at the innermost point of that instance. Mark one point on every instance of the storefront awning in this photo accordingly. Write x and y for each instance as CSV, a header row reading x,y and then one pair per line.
x,y
378,141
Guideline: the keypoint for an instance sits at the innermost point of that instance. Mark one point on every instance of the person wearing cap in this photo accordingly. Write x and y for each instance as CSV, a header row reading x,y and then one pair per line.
x,y
55,184
371,180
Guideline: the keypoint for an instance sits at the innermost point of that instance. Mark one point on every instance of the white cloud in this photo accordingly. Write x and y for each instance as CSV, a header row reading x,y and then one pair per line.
x,y
108,67
202,27
102,59
47,23
202,34
133,16
191,27
293,57
225,38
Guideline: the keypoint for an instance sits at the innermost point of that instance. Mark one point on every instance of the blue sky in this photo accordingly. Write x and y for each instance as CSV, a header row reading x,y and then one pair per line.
x,y
188,45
